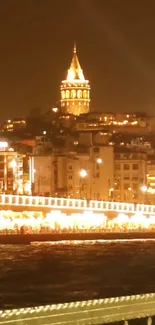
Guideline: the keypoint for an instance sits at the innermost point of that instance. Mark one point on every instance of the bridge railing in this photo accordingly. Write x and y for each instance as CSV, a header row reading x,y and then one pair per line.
x,y
101,311
77,204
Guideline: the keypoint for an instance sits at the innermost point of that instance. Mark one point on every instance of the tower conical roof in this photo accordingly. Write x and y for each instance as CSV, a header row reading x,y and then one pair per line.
x,y
75,72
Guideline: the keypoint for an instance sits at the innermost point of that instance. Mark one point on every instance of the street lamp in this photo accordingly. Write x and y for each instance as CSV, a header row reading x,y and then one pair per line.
x,y
144,188
99,160
83,173
13,165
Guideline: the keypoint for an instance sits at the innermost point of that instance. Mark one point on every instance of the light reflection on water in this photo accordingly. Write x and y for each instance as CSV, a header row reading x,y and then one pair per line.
x,y
51,272
91,242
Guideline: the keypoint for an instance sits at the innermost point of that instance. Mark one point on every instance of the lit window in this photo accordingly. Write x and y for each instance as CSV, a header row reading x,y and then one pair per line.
x,y
85,94
63,94
67,93
73,93
79,93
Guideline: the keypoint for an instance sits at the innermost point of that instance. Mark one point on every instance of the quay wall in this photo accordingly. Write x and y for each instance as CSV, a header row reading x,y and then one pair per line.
x,y
25,239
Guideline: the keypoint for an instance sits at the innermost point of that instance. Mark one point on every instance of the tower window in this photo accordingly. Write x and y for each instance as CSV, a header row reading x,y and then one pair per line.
x,y
67,93
85,94
79,93
73,93
63,94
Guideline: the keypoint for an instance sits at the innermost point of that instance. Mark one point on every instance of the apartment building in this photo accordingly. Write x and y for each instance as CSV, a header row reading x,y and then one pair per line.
x,y
48,174
86,173
11,170
130,170
90,174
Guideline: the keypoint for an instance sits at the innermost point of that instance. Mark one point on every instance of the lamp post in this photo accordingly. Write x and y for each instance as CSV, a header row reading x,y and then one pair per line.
x,y
83,174
144,190
13,165
99,161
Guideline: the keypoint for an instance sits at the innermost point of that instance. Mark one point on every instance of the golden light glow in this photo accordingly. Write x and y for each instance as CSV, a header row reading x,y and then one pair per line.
x,y
13,163
56,222
75,72
144,188
76,204
99,160
83,173
3,144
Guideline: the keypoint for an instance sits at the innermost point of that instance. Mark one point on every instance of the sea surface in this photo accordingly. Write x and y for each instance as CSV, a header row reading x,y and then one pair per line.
x,y
46,273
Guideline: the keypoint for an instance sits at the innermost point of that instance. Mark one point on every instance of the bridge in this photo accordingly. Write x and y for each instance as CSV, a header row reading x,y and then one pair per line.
x,y
40,203
92,312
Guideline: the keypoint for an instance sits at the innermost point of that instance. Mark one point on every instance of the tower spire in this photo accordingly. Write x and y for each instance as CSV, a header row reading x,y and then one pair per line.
x,y
74,51
75,72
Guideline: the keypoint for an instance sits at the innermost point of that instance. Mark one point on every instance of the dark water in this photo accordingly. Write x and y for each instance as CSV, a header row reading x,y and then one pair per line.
x,y
59,272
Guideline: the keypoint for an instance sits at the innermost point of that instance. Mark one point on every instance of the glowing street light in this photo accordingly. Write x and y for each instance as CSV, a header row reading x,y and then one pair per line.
x,y
83,173
13,164
144,188
99,160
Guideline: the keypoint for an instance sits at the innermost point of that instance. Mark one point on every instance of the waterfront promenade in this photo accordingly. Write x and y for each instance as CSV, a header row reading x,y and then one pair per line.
x,y
36,203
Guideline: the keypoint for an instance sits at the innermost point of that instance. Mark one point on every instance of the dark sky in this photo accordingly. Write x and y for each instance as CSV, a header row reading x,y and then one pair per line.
x,y
116,47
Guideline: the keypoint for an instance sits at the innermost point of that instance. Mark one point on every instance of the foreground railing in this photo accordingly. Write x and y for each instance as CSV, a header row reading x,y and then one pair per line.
x,y
75,204
100,311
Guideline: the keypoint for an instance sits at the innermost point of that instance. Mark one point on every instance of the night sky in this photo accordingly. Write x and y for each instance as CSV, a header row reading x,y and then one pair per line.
x,y
116,47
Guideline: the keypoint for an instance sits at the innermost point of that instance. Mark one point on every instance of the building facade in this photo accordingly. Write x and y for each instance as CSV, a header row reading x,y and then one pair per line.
x,y
130,170
86,175
48,175
90,175
11,170
75,90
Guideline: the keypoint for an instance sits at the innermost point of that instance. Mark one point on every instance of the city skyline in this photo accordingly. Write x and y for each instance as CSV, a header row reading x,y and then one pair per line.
x,y
117,56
